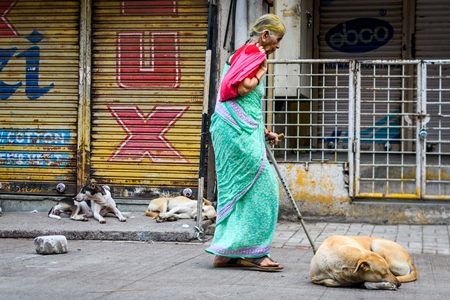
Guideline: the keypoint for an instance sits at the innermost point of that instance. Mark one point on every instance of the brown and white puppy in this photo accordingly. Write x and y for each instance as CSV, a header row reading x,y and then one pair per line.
x,y
101,201
78,211
181,207
376,263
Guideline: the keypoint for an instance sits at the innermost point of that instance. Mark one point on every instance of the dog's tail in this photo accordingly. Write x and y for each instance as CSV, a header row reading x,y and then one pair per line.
x,y
411,276
150,213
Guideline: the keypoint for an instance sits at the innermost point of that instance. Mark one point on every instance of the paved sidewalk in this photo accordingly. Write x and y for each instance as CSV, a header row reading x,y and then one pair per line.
x,y
431,239
125,261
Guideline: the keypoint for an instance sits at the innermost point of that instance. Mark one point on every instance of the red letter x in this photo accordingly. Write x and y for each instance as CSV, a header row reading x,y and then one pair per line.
x,y
145,134
6,28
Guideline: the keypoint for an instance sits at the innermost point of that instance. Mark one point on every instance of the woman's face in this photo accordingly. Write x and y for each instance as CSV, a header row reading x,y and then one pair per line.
x,y
270,42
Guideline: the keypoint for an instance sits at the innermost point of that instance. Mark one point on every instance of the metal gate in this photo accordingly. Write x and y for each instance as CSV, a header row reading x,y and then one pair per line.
x,y
386,121
388,148
407,153
435,130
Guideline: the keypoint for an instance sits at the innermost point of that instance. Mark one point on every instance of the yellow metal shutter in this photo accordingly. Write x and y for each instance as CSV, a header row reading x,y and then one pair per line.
x,y
39,42
148,72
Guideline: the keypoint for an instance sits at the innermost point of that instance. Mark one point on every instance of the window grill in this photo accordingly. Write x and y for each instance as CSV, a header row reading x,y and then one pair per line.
x,y
387,121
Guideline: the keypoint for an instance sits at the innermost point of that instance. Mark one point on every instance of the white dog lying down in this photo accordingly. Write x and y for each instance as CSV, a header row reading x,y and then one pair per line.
x,y
78,211
102,202
181,207
375,263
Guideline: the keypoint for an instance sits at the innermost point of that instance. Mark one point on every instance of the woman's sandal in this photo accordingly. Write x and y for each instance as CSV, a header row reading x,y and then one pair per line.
x,y
255,264
252,264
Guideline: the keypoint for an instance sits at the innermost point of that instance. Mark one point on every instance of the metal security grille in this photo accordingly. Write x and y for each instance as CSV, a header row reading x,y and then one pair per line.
x,y
386,157
148,72
432,29
39,54
386,121
308,100
360,29
436,129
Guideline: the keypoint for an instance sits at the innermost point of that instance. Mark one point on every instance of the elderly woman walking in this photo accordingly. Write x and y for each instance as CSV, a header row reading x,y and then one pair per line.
x,y
247,186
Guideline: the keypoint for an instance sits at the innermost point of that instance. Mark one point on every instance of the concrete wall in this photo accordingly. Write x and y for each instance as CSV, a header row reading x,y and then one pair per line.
x,y
320,192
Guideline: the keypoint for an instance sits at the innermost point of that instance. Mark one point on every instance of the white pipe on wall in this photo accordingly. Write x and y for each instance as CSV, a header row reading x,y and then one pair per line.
x,y
241,29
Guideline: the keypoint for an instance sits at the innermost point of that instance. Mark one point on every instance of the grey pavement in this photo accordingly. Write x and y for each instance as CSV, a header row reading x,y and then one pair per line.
x,y
142,259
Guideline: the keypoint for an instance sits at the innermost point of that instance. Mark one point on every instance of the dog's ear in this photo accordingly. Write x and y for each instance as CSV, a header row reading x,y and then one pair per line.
x,y
206,201
96,188
362,265
100,189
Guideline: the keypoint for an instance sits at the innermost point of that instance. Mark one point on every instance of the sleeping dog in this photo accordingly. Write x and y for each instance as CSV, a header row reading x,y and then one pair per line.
x,y
78,211
375,263
181,207
101,201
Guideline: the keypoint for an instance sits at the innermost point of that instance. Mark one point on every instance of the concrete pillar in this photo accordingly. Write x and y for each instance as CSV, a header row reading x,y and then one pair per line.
x,y
241,26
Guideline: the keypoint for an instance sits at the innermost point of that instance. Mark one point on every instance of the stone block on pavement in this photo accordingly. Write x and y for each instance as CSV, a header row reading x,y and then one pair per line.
x,y
51,244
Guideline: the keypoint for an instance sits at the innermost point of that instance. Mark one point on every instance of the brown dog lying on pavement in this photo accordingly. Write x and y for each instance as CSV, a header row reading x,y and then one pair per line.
x,y
181,207
376,263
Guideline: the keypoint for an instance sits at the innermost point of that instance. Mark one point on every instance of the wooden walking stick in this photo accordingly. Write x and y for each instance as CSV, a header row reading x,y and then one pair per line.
x,y
288,192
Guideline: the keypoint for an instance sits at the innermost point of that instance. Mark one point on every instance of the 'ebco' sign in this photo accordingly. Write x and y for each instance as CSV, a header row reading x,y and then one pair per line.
x,y
359,35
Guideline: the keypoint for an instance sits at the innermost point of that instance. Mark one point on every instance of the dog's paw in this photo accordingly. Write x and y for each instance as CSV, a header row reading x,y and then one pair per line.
x,y
122,219
79,218
380,286
163,215
82,218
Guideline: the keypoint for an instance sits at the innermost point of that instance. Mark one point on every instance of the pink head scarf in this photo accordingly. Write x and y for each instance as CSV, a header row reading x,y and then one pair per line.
x,y
243,64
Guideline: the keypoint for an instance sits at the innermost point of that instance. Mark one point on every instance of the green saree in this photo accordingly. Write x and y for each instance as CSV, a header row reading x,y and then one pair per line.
x,y
247,208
